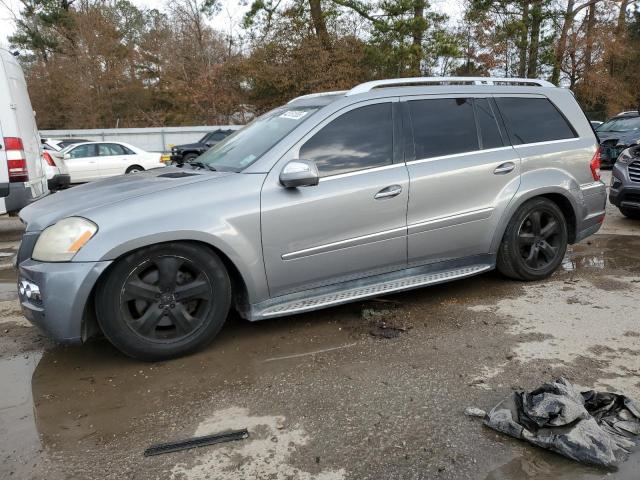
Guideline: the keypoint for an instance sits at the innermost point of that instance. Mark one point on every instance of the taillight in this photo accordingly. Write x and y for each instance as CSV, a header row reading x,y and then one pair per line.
x,y
595,165
16,159
48,159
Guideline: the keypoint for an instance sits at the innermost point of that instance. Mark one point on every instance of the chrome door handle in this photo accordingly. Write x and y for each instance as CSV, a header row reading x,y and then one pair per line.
x,y
504,168
388,192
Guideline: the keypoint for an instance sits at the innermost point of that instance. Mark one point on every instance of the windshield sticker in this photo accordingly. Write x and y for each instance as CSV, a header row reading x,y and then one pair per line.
x,y
293,114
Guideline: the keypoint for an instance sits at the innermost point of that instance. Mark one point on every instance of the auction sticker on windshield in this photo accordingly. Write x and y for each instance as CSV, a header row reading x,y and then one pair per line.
x,y
294,114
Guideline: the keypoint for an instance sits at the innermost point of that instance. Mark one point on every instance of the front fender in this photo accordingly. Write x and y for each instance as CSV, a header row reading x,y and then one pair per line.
x,y
224,214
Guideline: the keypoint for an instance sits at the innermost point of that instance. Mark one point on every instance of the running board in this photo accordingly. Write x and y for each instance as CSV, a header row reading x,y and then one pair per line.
x,y
358,289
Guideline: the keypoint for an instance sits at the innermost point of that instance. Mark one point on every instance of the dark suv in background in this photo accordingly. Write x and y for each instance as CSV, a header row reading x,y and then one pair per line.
x,y
189,151
625,183
617,134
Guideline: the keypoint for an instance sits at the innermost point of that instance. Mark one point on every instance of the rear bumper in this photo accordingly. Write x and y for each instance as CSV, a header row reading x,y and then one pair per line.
x,y
19,197
594,199
176,158
59,182
60,307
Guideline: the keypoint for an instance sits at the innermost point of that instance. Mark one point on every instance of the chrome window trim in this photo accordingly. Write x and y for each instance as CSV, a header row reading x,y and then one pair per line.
x,y
454,155
361,172
548,142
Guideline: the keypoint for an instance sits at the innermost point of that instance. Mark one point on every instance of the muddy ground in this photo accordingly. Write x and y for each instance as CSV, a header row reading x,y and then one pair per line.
x,y
375,389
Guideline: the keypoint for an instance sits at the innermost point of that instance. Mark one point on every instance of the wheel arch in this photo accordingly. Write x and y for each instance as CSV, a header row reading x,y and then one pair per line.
x,y
563,198
134,166
239,289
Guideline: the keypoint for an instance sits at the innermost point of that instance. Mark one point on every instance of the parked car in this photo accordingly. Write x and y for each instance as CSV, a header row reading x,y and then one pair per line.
x,y
332,198
188,152
57,145
22,176
617,134
625,183
94,160
56,171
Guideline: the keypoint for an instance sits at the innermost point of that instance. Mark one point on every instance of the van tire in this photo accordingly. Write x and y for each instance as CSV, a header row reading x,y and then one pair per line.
x,y
535,241
164,301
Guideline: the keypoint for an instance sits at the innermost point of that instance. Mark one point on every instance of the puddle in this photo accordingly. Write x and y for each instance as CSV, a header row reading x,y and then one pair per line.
x,y
540,465
20,442
604,252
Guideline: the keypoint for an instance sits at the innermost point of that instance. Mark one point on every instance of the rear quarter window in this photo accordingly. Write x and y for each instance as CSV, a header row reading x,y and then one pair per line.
x,y
532,120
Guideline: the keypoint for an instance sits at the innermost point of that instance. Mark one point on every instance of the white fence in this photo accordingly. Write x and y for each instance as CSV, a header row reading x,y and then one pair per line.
x,y
150,139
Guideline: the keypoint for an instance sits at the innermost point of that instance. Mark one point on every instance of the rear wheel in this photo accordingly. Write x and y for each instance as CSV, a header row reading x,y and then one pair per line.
x,y
189,157
535,241
630,213
134,169
164,301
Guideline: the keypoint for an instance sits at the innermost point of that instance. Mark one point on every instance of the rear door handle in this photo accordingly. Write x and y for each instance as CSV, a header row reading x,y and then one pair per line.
x,y
388,192
504,168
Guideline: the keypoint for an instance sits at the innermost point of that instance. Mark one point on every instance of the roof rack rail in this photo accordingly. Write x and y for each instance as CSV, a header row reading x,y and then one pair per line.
x,y
321,94
416,81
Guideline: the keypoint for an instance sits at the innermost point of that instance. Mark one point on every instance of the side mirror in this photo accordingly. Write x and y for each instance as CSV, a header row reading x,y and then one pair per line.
x,y
67,156
299,173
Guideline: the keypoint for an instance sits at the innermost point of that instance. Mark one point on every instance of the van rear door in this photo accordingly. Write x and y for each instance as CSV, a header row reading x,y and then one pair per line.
x,y
4,174
27,129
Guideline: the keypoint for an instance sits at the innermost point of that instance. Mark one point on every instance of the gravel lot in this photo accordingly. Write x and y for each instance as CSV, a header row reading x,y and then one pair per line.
x,y
326,395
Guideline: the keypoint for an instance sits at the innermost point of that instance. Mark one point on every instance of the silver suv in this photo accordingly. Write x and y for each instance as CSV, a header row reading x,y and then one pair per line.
x,y
332,198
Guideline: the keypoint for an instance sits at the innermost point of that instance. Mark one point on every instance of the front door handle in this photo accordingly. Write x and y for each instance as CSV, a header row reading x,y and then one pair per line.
x,y
504,168
388,192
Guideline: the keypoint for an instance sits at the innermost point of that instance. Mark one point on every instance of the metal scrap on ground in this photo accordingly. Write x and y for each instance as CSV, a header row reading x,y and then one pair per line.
x,y
195,442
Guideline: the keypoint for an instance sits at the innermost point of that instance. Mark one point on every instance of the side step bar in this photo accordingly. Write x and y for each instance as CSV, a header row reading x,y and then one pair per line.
x,y
358,289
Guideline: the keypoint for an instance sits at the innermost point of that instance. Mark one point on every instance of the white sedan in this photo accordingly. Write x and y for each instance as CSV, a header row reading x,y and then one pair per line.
x,y
94,160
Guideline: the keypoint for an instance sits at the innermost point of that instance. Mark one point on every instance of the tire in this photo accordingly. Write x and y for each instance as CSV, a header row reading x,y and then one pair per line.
x,y
188,157
630,213
532,249
164,301
134,169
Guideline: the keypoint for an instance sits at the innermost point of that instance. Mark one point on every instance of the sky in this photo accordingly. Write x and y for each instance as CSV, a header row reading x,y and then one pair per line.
x,y
230,14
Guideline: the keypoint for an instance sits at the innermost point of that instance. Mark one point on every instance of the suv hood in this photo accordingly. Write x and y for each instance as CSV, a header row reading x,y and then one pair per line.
x,y
623,138
190,146
77,201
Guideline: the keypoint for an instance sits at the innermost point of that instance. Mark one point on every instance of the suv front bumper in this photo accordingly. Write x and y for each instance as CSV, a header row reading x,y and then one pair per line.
x,y
56,297
623,192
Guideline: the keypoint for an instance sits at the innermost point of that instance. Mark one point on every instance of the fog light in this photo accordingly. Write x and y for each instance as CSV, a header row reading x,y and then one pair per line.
x,y
29,290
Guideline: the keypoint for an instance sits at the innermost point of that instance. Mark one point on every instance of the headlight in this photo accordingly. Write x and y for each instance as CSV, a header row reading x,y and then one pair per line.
x,y
625,156
61,241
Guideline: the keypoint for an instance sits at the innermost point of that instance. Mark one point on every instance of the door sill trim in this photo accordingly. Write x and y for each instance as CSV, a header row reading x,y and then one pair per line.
x,y
368,287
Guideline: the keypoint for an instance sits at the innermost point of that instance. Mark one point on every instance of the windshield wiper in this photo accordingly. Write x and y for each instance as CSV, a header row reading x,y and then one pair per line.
x,y
195,163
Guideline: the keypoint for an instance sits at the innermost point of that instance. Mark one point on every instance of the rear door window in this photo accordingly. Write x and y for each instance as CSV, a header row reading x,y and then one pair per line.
x,y
110,149
443,126
83,151
532,120
359,139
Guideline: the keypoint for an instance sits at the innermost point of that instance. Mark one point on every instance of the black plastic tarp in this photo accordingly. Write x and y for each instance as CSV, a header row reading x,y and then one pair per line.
x,y
591,427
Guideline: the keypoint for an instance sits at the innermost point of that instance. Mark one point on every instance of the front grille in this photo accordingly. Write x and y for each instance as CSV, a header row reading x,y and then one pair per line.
x,y
634,171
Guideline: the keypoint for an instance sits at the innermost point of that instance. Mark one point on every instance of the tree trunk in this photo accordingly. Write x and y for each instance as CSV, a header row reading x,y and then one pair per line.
x,y
522,43
319,24
588,48
534,43
417,36
622,17
562,43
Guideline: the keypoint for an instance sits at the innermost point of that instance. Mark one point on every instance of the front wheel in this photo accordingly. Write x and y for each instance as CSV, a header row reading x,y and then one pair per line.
x,y
535,241
134,169
630,213
164,301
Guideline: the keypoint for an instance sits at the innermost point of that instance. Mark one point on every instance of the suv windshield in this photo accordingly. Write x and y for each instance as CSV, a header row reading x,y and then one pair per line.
x,y
620,125
238,151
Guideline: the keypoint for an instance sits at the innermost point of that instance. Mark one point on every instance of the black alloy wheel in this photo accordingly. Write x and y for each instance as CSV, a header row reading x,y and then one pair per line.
x,y
534,242
164,301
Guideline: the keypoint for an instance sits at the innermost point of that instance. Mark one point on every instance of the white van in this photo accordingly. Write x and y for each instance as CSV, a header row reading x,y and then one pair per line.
x,y
22,175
